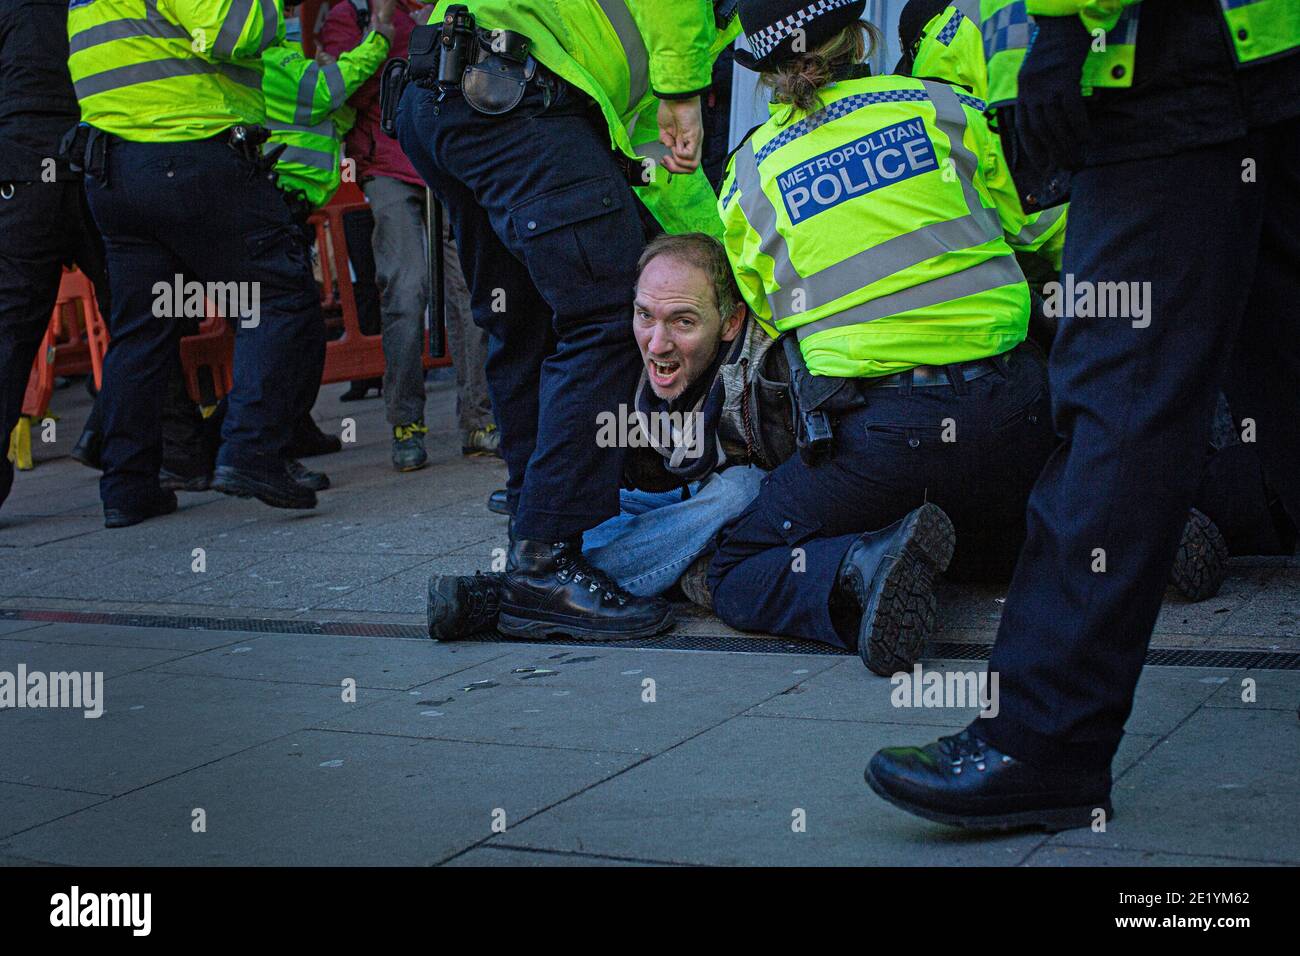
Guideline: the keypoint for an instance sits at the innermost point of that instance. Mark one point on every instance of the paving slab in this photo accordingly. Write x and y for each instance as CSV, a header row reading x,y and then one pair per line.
x,y
159,638
1084,856
157,725
307,580
8,627
589,697
1270,690
386,663
23,807
323,799
111,660
490,855
1224,783
730,797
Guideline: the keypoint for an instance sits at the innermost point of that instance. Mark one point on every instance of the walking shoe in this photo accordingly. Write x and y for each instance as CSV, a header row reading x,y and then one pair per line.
x,y
308,441
499,502
694,582
408,447
162,503
460,606
274,488
885,586
964,781
173,480
88,449
481,442
315,480
1202,560
357,390
551,589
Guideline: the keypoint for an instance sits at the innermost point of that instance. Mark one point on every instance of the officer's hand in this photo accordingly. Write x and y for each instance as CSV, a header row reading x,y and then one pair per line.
x,y
1051,118
681,129
325,59
381,18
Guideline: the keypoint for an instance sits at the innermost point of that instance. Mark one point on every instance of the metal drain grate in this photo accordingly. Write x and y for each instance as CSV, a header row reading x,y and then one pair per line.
x,y
940,650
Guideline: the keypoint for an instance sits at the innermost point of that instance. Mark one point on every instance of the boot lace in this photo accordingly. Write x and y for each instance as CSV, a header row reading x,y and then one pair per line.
x,y
964,748
575,567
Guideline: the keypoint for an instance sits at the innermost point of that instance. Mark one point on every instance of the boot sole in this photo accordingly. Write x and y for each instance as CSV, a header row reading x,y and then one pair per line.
x,y
900,615
1052,820
531,628
441,611
1202,560
244,488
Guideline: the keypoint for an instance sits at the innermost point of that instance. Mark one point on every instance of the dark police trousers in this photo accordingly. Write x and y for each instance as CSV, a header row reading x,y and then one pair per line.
x,y
974,450
1132,398
42,227
191,209
549,236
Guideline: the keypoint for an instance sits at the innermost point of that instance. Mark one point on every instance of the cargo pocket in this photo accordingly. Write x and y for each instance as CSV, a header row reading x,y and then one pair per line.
x,y
576,235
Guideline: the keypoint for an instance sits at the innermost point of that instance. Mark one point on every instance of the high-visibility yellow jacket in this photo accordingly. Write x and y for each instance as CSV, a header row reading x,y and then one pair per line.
x,y
875,228
306,109
170,70
1258,29
950,49
625,54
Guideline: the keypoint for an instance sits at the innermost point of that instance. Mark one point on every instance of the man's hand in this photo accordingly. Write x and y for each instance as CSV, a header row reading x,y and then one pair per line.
x,y
325,59
681,129
381,18
1051,117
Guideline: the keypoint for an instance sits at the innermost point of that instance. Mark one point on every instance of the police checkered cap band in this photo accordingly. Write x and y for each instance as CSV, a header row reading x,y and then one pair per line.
x,y
770,37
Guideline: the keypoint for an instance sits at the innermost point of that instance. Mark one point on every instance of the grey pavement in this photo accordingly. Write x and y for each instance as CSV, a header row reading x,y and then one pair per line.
x,y
248,718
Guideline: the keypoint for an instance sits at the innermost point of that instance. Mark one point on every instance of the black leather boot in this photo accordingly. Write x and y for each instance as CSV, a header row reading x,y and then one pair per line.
x,y
463,605
885,588
88,448
551,589
966,782
499,502
275,488
1202,560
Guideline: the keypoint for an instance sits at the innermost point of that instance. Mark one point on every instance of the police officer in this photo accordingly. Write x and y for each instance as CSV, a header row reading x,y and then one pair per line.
x,y
1183,180
44,220
869,218
307,113
526,144
169,100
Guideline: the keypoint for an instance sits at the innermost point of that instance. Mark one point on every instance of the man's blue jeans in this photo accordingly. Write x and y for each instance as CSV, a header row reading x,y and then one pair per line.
x,y
657,535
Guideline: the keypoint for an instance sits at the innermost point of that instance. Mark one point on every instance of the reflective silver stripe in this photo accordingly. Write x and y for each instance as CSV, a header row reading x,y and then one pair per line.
x,y
970,9
306,94
888,258
325,128
988,275
134,73
1033,231
233,26
638,60
242,75
338,87
315,158
655,152
151,25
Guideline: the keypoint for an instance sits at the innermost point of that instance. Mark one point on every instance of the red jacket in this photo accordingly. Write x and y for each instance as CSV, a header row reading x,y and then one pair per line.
x,y
376,153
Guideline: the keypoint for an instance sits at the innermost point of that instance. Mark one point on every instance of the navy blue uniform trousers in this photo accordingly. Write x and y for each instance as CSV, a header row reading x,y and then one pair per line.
x,y
42,227
549,236
974,450
192,209
1221,250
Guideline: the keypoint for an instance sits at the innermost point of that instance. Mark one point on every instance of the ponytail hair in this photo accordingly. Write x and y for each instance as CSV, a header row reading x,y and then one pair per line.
x,y
799,80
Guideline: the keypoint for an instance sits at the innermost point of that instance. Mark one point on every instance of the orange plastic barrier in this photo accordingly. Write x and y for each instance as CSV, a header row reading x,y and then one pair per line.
x,y
354,355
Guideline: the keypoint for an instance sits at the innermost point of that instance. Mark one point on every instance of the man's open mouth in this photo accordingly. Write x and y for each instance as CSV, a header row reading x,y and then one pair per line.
x,y
663,374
